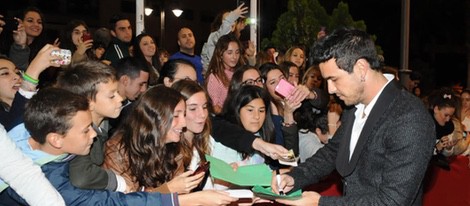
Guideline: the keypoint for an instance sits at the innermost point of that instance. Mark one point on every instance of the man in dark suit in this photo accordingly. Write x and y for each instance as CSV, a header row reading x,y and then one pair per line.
x,y
385,141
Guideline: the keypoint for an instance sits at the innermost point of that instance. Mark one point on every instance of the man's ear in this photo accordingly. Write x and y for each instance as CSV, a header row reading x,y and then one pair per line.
x,y
124,80
92,104
363,67
55,140
179,43
167,81
113,33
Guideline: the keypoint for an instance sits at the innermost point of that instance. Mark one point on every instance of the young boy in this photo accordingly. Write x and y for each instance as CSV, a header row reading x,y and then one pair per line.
x,y
97,82
60,127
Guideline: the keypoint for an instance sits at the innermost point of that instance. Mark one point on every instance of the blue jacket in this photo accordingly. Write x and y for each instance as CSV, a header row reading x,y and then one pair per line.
x,y
58,175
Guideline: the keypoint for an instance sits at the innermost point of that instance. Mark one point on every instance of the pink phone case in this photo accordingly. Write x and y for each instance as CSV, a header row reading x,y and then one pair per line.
x,y
284,88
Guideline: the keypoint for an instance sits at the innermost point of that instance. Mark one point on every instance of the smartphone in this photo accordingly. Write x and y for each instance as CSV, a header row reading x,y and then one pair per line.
x,y
86,36
203,167
65,56
10,24
284,88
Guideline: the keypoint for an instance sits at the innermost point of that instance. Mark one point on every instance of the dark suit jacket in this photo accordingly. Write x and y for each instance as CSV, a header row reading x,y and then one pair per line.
x,y
390,158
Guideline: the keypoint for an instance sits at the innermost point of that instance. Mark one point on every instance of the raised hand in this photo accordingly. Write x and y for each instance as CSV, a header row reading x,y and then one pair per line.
x,y
241,10
19,35
84,45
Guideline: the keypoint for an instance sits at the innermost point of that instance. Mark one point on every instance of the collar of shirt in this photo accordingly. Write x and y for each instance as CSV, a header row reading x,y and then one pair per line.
x,y
366,109
362,113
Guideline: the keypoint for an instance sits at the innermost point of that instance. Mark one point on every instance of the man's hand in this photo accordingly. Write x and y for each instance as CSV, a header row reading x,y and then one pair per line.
x,y
286,183
309,198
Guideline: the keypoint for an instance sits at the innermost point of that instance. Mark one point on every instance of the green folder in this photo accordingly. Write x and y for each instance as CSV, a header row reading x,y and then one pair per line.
x,y
267,193
248,175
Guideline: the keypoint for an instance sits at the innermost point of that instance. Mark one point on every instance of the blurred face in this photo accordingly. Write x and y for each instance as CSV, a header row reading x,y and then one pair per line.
x,y
185,72
293,75
186,39
147,46
465,100
314,79
135,87
252,77
79,137
99,52
163,58
253,115
348,87
196,112
10,81
77,34
32,24
297,57
123,31
443,115
272,79
107,102
412,84
178,123
231,55
271,51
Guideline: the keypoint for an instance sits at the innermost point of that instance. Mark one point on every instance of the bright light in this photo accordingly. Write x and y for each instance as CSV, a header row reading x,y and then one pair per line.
x,y
177,12
250,21
148,11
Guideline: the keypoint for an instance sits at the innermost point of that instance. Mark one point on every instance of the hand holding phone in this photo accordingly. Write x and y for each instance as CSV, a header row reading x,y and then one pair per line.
x,y
86,36
203,167
284,88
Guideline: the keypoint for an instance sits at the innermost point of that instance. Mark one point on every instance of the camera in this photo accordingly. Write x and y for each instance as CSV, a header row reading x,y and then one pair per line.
x,y
11,24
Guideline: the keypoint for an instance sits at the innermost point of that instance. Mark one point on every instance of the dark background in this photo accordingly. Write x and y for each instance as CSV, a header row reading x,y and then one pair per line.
x,y
438,30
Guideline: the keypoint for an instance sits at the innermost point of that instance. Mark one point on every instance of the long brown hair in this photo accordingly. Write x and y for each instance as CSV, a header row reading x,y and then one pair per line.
x,y
152,161
216,65
188,88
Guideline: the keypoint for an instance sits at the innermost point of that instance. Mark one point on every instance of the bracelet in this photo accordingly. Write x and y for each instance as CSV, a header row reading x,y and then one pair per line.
x,y
284,124
29,79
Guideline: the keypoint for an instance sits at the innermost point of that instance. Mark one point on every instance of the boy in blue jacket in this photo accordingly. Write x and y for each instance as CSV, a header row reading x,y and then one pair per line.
x,y
60,125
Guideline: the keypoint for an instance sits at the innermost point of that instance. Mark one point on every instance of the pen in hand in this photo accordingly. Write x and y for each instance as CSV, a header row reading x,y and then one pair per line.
x,y
278,179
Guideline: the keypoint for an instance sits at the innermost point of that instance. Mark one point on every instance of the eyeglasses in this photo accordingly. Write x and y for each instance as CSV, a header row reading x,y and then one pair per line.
x,y
259,80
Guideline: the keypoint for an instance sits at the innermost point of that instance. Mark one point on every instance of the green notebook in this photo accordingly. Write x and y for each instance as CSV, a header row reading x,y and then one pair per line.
x,y
267,193
248,175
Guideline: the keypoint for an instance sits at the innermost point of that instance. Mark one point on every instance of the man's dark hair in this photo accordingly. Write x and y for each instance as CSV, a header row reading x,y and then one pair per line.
x,y
131,67
346,46
114,19
50,111
83,77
